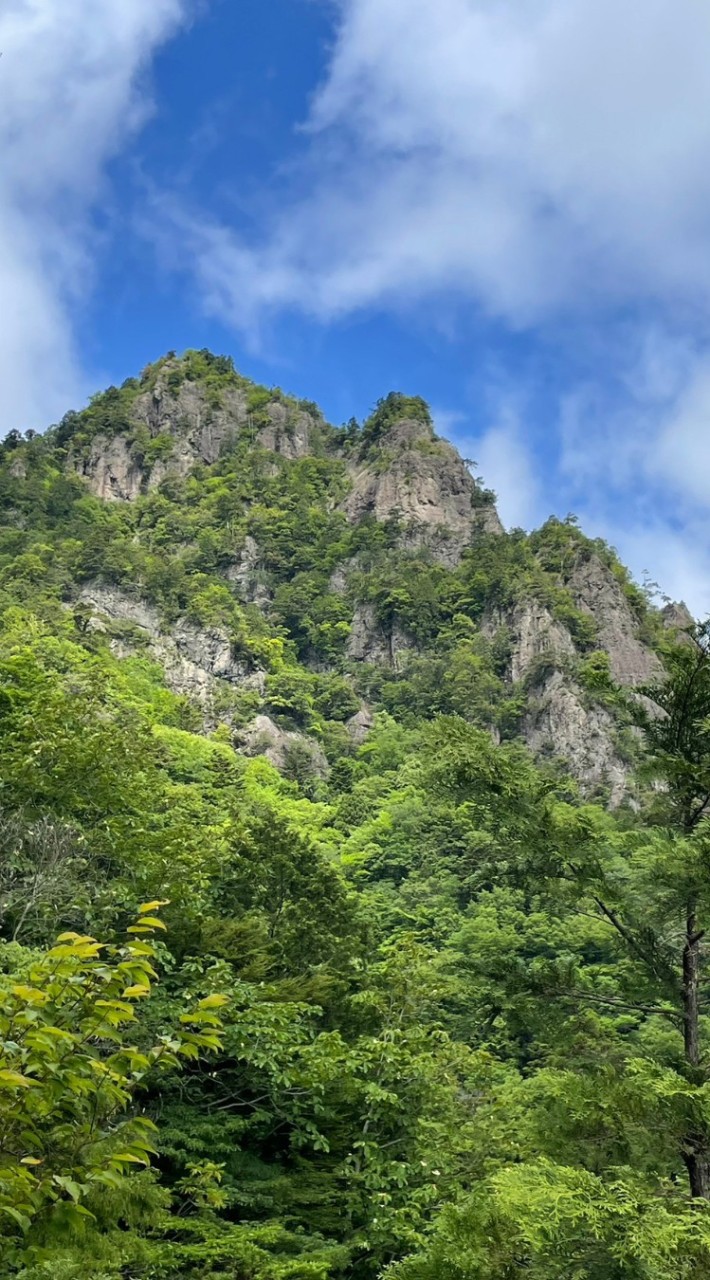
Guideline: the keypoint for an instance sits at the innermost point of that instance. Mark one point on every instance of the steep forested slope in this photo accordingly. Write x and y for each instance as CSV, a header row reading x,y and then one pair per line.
x,y
431,861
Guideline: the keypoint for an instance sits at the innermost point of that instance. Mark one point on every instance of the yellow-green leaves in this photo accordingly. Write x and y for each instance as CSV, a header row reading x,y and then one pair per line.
x,y
215,1001
68,1076
30,994
13,1080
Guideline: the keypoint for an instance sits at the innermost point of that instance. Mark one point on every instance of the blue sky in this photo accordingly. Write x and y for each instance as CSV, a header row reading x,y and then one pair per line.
x,y
501,205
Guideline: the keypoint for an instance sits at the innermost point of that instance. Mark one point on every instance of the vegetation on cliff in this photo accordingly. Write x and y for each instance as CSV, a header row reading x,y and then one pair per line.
x,y
416,1004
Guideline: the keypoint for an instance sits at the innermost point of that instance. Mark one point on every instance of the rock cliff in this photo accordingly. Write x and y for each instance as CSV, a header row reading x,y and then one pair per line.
x,y
541,607
598,593
176,424
171,428
198,663
427,484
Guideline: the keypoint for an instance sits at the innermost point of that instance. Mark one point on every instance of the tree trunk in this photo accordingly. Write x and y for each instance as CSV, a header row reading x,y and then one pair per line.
x,y
698,1166
691,989
696,1155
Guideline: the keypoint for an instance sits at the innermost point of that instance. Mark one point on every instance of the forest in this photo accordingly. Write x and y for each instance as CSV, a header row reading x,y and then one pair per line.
x,y
414,1005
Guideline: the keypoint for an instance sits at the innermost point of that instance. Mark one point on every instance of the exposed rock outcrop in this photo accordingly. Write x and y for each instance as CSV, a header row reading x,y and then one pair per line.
x,y
120,467
198,662
559,721
677,616
408,473
200,429
596,591
247,573
558,724
117,468
286,434
360,725
426,482
287,751
533,633
368,642
111,469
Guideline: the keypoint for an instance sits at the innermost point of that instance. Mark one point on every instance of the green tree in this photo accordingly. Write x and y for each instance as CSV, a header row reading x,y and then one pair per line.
x,y
71,1131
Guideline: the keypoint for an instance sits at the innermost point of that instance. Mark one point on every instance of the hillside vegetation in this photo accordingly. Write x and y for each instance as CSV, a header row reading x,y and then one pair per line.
x,y
353,862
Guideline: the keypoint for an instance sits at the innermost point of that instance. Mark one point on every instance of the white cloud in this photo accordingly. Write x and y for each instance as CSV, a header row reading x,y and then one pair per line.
x,y
653,441
502,454
542,160
506,465
447,421
636,467
71,92
681,457
536,155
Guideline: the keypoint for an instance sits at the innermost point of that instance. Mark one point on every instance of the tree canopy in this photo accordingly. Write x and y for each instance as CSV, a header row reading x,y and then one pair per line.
x,y
409,1006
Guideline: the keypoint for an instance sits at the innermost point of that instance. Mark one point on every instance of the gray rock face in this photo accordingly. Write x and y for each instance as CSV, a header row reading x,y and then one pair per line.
x,y
284,435
247,575
338,581
200,432
677,616
198,663
111,469
560,725
428,484
596,592
114,467
534,634
264,738
559,722
360,725
369,643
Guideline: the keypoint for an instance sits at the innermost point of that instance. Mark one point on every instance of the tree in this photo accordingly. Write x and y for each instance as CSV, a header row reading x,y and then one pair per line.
x,y
71,1131
42,864
679,737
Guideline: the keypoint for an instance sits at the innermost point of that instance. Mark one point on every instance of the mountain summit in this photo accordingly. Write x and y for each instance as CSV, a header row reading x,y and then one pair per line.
x,y
237,537
416,808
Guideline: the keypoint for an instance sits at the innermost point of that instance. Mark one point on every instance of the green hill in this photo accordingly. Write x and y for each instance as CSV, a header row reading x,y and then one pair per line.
x,y
431,860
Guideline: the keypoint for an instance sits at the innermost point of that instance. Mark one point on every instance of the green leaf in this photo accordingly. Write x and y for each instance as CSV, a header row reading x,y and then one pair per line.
x,y
22,1220
215,1001
14,1080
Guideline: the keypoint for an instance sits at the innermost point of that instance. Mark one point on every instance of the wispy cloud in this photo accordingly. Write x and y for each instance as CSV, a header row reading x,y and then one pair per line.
x,y
72,90
538,157
501,454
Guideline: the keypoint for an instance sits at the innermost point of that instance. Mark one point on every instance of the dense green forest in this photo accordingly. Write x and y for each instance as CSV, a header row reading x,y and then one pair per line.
x,y
416,1004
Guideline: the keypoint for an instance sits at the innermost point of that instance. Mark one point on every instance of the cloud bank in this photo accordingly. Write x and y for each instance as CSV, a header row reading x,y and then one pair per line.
x,y
71,93
537,156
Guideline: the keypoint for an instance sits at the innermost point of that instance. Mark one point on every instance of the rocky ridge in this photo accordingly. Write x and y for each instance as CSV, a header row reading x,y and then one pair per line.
x,y
399,471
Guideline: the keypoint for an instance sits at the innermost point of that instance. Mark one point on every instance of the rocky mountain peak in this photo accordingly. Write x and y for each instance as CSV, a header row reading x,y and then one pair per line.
x,y
181,412
191,410
599,594
532,636
676,616
402,467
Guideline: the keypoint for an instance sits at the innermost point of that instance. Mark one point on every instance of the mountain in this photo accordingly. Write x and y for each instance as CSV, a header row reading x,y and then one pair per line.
x,y
369,556
375,839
